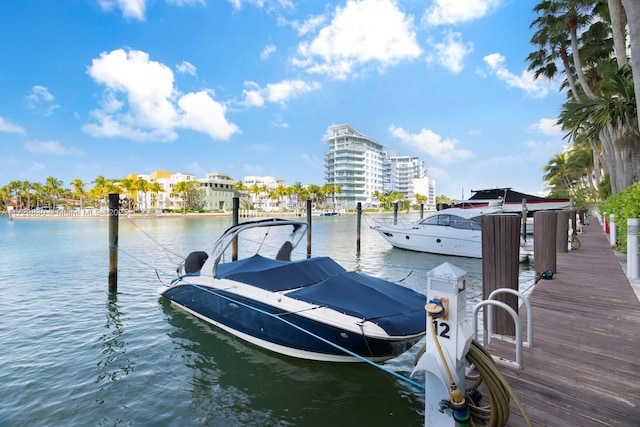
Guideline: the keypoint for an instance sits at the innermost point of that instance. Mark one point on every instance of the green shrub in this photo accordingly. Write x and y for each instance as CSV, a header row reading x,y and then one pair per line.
x,y
623,206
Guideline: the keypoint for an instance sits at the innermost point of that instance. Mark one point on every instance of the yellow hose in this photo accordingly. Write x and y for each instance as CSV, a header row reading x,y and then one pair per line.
x,y
497,412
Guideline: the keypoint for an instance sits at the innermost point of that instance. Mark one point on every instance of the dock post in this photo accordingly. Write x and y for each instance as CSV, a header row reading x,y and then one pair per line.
x,y
114,210
524,219
633,263
421,210
501,264
544,241
309,229
358,225
235,219
395,213
562,233
613,231
448,328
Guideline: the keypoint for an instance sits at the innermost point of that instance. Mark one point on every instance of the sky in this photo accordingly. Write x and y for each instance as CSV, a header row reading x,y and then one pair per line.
x,y
250,87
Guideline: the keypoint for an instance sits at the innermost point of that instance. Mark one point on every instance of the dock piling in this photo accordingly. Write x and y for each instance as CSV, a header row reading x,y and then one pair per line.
x,y
114,210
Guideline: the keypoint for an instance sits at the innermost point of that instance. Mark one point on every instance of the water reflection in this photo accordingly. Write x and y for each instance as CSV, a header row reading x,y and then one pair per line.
x,y
239,383
115,363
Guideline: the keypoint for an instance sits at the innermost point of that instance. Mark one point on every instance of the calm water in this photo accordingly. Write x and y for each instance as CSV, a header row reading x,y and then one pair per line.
x,y
71,354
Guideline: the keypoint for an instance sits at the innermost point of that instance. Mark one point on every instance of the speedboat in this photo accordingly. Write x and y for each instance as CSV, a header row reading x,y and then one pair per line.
x,y
310,308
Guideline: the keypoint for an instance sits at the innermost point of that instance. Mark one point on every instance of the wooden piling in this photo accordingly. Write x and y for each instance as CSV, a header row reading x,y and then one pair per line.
x,y
114,210
309,229
235,214
421,210
358,225
501,265
562,235
544,241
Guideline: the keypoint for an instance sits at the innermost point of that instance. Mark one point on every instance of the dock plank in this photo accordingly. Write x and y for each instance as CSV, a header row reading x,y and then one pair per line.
x,y
584,367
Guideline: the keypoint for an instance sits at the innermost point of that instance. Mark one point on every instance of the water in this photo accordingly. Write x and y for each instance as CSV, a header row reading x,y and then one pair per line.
x,y
72,354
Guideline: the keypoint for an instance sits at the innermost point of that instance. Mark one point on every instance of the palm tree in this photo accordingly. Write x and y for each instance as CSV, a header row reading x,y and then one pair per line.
x,y
129,187
53,187
155,187
78,191
142,185
99,189
568,30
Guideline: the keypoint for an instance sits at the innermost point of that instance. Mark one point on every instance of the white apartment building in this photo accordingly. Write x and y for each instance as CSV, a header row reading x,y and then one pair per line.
x,y
426,187
163,199
402,172
360,166
356,164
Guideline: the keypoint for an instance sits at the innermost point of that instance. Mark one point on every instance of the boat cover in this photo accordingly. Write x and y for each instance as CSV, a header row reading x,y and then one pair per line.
x,y
396,309
274,275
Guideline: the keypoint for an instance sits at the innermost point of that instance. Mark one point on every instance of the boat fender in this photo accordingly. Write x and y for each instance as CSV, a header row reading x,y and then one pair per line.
x,y
194,262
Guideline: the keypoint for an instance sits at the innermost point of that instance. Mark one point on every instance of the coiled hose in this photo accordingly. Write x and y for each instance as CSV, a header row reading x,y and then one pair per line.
x,y
496,413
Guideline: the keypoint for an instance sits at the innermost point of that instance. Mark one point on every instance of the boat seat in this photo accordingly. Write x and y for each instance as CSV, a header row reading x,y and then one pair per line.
x,y
194,262
284,253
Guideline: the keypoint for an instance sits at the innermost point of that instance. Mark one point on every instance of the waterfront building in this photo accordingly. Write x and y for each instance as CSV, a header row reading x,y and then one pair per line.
x,y
361,167
426,187
262,192
402,172
219,191
356,164
162,199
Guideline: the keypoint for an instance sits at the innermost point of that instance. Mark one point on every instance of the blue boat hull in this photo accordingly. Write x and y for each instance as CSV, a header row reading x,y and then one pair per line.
x,y
286,333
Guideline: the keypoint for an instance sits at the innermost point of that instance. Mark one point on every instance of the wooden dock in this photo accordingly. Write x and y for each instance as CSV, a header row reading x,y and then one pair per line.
x,y
584,367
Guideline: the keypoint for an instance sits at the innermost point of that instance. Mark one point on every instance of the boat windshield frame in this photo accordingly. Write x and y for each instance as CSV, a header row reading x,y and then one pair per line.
x,y
298,231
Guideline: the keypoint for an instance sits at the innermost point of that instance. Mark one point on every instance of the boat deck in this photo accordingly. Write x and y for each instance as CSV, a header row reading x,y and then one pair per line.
x,y
584,367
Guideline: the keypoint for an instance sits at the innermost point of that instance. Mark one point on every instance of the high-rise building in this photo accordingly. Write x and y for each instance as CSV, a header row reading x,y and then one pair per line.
x,y
361,167
403,170
355,163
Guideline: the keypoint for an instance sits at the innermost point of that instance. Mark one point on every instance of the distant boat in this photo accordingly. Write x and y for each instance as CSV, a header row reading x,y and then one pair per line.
x,y
325,212
310,308
511,201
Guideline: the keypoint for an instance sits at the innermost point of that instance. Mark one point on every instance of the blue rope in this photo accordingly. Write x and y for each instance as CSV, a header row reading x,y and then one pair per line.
x,y
349,352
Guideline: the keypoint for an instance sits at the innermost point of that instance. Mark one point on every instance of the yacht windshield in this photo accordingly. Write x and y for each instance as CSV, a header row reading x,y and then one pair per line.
x,y
453,221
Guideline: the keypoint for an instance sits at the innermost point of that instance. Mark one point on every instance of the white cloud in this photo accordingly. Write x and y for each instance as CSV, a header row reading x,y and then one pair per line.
x,y
309,25
432,144
280,92
451,52
141,103
41,100
7,126
525,81
263,4
457,11
186,68
548,127
51,147
267,51
368,32
203,114
134,9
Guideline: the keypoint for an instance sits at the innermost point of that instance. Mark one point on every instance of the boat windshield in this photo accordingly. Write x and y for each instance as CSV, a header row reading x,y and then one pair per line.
x,y
453,221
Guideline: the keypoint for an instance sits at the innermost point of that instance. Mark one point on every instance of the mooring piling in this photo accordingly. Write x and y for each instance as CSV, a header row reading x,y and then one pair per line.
x,y
114,210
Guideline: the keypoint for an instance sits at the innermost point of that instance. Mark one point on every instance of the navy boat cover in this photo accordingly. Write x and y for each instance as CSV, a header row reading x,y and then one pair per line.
x,y
396,309
274,275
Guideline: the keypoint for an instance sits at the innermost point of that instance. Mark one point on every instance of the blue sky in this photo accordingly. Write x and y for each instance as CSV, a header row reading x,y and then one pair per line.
x,y
249,87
